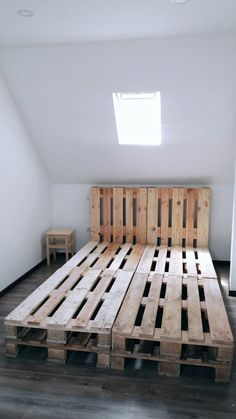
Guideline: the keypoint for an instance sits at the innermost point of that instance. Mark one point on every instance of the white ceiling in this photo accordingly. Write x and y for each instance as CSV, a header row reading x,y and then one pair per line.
x,y
66,21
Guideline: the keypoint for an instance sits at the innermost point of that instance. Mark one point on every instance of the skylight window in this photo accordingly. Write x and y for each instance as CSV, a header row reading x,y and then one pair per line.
x,y
138,118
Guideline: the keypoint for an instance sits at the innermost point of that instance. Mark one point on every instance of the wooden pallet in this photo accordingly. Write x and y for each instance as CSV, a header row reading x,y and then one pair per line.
x,y
176,261
167,216
174,320
75,307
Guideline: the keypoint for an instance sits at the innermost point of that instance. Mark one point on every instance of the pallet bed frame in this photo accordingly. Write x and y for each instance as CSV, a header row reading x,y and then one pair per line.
x,y
144,287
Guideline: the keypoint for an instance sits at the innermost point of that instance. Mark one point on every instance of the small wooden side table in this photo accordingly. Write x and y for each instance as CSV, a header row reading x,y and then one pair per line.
x,y
60,239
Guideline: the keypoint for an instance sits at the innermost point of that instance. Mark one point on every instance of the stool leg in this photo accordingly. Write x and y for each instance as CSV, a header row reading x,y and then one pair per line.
x,y
67,248
73,243
48,250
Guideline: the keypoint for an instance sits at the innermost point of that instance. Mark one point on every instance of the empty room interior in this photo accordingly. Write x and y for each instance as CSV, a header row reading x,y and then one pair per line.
x,y
118,209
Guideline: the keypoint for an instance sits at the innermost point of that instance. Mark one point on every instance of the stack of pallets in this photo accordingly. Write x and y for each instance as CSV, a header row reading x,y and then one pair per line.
x,y
174,316
144,287
76,307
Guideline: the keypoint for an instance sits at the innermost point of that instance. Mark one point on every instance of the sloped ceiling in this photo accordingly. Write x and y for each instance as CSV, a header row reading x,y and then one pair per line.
x,y
64,92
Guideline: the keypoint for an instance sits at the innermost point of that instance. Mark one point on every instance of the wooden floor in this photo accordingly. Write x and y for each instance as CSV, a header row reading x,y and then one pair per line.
x,y
32,388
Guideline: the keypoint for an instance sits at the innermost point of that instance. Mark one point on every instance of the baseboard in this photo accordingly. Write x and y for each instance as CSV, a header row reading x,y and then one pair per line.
x,y
13,284
221,262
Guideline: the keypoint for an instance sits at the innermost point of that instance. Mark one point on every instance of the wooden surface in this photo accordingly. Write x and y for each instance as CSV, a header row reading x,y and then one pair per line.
x,y
59,232
100,257
167,298
166,216
153,291
31,388
63,239
83,297
54,303
164,319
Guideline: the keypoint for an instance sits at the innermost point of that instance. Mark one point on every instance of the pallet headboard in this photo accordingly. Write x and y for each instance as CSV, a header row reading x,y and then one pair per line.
x,y
169,216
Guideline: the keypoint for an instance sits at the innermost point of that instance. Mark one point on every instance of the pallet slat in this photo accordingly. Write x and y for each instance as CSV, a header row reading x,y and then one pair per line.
x,y
217,316
206,265
118,215
107,214
152,215
161,260
195,331
203,217
129,208
95,214
177,216
164,216
141,228
176,261
147,328
146,260
190,262
127,316
171,322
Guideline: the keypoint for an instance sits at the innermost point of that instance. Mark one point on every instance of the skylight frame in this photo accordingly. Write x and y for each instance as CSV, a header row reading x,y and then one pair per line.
x,y
138,118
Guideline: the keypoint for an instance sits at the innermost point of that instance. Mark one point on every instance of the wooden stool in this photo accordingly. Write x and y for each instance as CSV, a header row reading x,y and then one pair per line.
x,y
60,239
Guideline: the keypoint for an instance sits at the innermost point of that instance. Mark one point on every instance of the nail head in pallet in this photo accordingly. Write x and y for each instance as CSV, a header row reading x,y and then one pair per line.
x,y
178,331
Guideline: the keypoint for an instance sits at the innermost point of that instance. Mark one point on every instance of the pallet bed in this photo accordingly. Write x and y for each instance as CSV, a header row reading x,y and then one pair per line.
x,y
144,287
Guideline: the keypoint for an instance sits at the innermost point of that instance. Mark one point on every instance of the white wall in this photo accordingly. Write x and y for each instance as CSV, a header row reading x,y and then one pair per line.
x,y
70,208
233,243
24,195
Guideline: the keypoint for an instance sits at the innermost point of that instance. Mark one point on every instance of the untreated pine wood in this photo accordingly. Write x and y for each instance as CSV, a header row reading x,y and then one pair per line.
x,y
190,216
118,215
148,325
203,217
141,228
151,215
63,239
166,339
144,385
95,213
164,216
35,299
195,329
177,216
217,316
107,214
129,215
171,323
